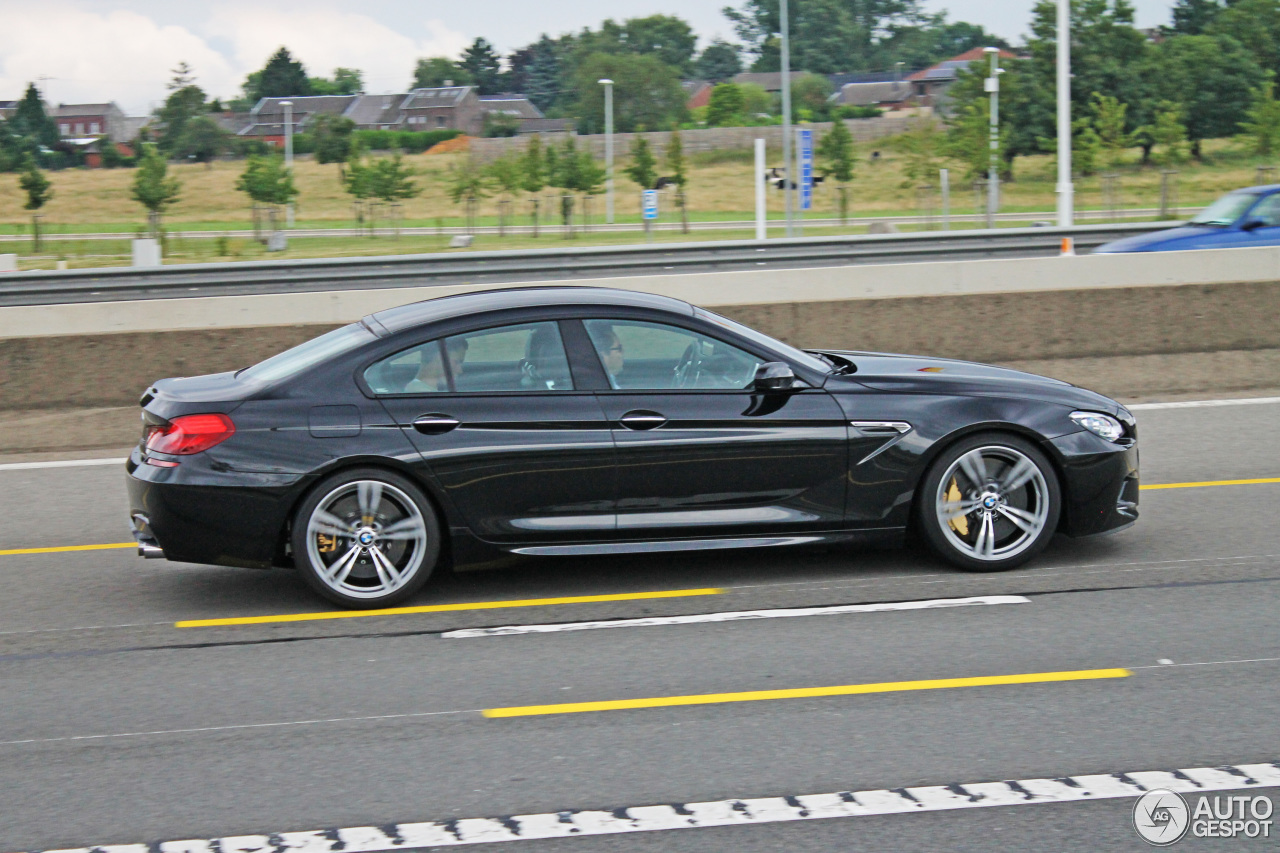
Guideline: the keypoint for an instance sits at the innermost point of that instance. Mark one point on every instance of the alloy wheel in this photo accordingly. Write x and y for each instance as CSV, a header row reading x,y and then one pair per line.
x,y
992,503
366,539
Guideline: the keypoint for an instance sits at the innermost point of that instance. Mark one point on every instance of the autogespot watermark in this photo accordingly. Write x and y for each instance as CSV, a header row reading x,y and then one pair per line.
x,y
1164,817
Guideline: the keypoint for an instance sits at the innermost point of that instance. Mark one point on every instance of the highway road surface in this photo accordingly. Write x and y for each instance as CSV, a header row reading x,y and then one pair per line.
x,y
230,710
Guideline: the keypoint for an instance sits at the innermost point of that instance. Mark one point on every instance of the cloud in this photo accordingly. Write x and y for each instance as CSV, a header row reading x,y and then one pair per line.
x,y
127,57
324,39
93,57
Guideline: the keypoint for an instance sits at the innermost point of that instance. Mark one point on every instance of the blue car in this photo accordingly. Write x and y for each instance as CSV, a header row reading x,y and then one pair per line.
x,y
1247,217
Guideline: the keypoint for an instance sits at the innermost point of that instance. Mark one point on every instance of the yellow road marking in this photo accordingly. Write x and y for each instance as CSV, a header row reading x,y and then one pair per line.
x,y
61,548
1211,483
444,608
805,692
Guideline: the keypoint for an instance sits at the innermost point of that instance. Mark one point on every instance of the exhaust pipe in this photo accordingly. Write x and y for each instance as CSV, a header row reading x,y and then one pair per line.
x,y
150,552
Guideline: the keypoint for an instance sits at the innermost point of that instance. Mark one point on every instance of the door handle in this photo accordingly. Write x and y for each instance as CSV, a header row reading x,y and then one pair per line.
x,y
435,424
642,420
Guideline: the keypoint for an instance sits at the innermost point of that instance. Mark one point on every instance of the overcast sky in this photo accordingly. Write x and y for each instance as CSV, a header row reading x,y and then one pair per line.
x,y
122,50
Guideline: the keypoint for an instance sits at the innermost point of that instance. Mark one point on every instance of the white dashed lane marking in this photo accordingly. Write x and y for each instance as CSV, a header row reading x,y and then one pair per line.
x,y
734,812
735,616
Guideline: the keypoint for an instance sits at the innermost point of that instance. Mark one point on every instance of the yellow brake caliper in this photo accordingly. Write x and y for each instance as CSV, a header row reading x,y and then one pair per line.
x,y
960,523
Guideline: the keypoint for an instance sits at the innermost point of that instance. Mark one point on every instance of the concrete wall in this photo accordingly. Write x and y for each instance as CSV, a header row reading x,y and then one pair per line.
x,y
700,139
1048,310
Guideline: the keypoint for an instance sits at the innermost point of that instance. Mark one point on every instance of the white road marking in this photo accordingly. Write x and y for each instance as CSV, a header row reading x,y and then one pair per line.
x,y
61,463
734,616
736,812
1202,404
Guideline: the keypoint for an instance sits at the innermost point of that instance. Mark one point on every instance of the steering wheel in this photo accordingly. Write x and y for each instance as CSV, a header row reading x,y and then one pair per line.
x,y
689,363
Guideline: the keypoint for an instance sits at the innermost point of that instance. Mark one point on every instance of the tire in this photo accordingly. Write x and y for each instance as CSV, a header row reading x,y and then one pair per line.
x,y
995,516
366,538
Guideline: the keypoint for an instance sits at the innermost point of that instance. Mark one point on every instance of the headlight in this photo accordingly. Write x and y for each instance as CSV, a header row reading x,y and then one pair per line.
x,y
1099,424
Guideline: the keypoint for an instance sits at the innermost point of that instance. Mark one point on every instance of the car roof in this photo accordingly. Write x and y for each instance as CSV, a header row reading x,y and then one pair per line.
x,y
1263,189
415,314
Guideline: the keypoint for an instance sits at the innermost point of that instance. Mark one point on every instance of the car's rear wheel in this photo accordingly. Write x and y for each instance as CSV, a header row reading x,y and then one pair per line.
x,y
366,538
989,503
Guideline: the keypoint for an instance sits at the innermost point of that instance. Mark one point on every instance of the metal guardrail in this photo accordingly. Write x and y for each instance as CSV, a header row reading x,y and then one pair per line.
x,y
187,280
553,226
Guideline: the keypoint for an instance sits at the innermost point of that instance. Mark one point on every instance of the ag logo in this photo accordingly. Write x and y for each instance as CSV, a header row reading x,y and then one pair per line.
x,y
1161,817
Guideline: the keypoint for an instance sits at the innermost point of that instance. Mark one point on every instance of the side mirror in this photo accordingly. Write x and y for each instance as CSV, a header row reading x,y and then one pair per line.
x,y
775,376
1252,225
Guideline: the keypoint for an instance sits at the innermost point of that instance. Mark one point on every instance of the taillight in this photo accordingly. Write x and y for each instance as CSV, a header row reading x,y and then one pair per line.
x,y
190,434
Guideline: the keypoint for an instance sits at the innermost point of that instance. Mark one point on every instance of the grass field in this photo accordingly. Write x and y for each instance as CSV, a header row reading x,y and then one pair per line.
x,y
720,188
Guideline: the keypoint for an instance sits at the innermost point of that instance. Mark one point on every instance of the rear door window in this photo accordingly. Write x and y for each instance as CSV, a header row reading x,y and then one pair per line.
x,y
525,357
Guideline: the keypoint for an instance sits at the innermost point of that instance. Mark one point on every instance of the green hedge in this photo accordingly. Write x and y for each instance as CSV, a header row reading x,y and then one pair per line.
x,y
412,141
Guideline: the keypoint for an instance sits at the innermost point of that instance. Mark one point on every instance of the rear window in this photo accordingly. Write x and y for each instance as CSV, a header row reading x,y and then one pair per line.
x,y
291,362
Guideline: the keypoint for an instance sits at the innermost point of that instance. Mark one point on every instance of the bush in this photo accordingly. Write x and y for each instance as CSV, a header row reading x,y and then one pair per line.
x,y
411,141
860,112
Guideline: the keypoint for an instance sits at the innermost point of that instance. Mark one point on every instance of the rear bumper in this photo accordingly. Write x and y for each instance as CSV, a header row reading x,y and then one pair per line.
x,y
194,514
1100,488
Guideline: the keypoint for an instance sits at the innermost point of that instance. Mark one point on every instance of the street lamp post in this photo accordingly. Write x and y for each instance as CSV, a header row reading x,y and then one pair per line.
x,y
608,149
786,114
993,165
288,152
1066,191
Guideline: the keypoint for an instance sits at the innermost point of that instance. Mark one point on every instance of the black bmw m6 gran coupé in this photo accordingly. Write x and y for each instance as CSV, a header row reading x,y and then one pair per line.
x,y
575,420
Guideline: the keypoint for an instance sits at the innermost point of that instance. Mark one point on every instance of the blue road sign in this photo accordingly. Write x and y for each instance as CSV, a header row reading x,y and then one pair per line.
x,y
649,205
804,151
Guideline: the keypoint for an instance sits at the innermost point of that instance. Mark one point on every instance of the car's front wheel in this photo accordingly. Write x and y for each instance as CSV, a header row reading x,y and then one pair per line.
x,y
366,538
990,502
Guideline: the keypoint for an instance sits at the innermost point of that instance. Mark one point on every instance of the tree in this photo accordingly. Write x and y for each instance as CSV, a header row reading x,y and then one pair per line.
x,y
386,179
282,77
182,106
505,172
642,166
1109,123
1211,79
482,63
30,120
831,35
968,141
39,191
467,184
665,37
756,100
1193,17
920,146
1167,135
533,174
676,166
434,72
727,106
152,188
202,140
543,75
333,135
1260,129
1255,24
718,61
345,81
809,93
646,94
266,180
836,159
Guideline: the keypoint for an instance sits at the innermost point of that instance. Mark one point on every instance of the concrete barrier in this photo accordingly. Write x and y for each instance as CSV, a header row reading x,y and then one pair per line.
x,y
1024,311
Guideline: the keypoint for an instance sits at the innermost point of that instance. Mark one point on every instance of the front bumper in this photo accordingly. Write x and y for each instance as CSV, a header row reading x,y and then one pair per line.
x,y
200,512
1100,483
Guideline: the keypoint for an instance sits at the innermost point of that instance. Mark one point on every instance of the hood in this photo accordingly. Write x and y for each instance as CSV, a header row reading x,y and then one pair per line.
x,y
1156,240
927,375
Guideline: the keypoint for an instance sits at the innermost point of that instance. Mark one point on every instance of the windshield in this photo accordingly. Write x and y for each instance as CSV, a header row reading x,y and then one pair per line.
x,y
291,362
798,356
1225,210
